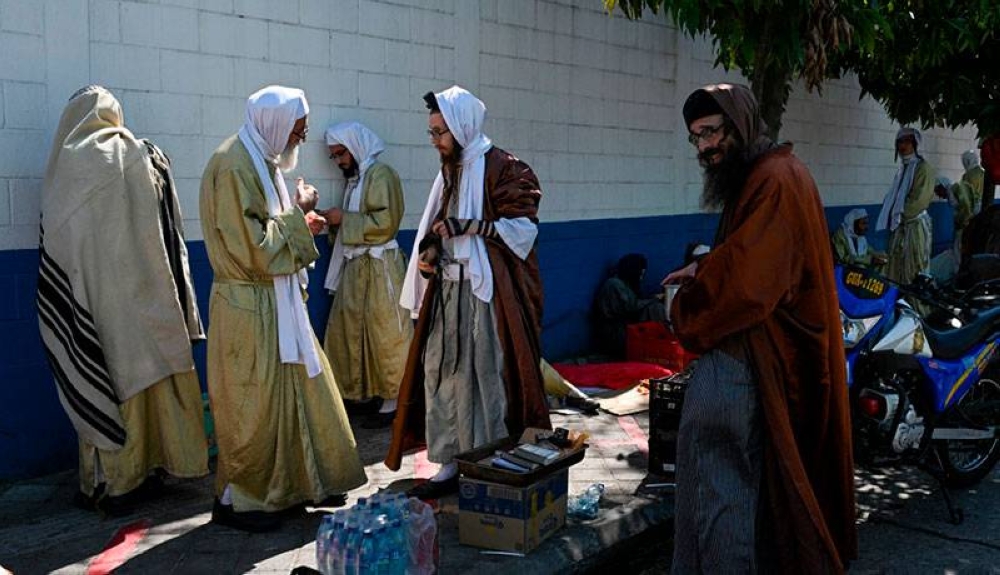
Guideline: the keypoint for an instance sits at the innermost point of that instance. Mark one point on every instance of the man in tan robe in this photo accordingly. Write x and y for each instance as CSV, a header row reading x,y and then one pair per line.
x,y
904,211
368,333
472,375
282,431
765,478
116,306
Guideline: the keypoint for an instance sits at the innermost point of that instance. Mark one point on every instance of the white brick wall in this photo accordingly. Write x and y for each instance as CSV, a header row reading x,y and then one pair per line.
x,y
590,100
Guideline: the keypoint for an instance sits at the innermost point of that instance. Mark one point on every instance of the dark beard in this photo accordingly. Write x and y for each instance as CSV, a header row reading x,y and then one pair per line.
x,y
724,181
451,161
351,170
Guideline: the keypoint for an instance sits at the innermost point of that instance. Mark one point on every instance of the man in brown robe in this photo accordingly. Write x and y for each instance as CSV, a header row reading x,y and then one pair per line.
x,y
765,471
472,375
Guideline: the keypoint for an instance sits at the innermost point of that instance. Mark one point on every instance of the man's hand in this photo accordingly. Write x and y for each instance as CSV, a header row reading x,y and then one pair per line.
x,y
306,195
440,228
333,216
427,261
680,275
315,222
879,259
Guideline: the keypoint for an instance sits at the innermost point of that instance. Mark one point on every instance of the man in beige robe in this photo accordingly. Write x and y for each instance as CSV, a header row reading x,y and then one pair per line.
x,y
368,333
116,306
282,431
904,211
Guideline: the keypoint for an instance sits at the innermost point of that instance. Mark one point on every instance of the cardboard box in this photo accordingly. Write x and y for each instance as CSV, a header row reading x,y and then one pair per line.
x,y
511,518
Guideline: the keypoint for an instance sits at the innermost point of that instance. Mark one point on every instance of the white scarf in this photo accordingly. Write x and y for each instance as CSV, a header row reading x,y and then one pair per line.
x,y
271,114
464,114
852,237
892,207
365,147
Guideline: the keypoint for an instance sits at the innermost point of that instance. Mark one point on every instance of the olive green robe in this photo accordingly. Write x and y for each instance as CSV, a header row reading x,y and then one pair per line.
x,y
368,333
283,438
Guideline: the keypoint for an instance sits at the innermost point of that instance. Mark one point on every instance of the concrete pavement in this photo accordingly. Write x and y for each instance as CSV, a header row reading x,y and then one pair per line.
x,y
41,532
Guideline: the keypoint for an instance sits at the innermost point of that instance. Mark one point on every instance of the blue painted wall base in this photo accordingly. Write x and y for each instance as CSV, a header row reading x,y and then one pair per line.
x,y
36,437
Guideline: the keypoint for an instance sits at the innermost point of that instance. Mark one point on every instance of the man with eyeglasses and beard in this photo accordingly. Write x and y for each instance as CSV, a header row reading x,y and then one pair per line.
x,y
764,471
367,334
472,376
280,424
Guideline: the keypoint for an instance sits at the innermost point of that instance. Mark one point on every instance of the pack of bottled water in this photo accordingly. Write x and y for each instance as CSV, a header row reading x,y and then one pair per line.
x,y
385,534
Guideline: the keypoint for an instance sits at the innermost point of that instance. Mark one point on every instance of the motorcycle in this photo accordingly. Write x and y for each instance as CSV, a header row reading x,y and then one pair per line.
x,y
924,385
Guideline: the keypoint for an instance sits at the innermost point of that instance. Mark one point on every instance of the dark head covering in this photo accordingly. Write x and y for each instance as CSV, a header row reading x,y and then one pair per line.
x,y
738,103
630,269
700,104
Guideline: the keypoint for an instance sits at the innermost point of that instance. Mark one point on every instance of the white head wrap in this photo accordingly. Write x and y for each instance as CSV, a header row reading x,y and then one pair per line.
x,y
970,159
365,147
891,214
271,114
857,244
908,131
464,114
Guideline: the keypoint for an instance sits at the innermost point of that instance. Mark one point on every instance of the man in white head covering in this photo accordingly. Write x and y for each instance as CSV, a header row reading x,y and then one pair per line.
x,y
904,210
368,333
965,196
282,432
116,306
473,374
850,246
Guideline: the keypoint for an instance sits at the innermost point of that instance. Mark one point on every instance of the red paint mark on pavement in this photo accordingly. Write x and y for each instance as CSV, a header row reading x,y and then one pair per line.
x,y
120,548
635,433
423,469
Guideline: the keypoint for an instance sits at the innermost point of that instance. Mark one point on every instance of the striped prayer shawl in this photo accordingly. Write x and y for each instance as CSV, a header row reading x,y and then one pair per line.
x,y
75,355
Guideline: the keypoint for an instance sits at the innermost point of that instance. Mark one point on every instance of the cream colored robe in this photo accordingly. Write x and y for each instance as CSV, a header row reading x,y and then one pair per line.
x,y
910,244
368,334
283,438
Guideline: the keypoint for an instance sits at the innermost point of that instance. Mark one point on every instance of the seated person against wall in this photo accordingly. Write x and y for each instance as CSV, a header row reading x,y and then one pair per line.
x,y
850,247
619,302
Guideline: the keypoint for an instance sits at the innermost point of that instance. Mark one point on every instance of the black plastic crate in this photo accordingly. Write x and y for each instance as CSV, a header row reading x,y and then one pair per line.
x,y
666,399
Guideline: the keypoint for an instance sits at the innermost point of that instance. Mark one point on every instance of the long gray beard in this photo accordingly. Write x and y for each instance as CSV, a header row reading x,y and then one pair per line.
x,y
289,159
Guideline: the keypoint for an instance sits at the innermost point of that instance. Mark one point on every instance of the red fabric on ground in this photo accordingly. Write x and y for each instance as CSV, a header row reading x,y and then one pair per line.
x,y
618,375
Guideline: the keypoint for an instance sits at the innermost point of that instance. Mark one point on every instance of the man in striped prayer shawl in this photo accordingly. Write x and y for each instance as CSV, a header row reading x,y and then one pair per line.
x,y
116,305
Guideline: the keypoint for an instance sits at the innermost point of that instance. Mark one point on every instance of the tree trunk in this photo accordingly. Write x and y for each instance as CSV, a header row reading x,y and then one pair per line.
x,y
770,79
771,86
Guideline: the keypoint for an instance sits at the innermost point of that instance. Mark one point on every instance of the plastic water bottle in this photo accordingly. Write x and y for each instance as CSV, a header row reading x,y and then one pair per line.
x,y
382,548
322,541
585,505
367,556
398,557
351,544
334,555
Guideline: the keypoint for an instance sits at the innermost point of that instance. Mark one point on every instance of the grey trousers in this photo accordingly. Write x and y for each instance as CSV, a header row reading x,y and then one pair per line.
x,y
718,470
463,375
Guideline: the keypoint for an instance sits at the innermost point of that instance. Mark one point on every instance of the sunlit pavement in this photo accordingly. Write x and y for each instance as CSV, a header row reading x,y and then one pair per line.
x,y
43,533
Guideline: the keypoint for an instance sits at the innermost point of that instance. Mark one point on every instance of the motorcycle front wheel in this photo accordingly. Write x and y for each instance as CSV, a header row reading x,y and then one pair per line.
x,y
967,462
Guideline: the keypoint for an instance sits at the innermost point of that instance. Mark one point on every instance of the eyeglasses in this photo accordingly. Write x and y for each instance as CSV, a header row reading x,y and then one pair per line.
x,y
338,154
437,134
705,134
301,135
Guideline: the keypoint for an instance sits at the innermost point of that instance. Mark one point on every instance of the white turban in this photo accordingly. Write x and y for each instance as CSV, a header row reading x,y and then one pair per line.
x,y
365,146
907,131
271,114
857,244
464,114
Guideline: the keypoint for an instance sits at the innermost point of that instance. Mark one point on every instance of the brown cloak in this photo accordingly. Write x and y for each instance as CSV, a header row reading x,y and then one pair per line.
x,y
767,288
512,191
